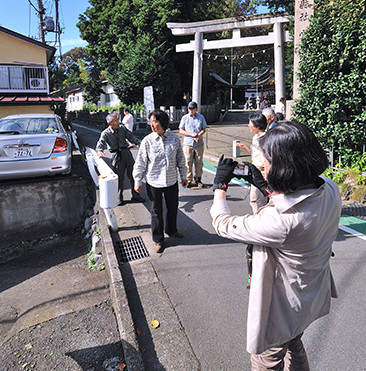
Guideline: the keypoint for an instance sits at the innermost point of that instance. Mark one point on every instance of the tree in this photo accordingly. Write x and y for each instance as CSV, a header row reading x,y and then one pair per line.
x,y
131,41
332,73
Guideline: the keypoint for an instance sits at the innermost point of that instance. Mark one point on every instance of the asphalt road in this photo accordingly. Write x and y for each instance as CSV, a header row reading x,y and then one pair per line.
x,y
205,278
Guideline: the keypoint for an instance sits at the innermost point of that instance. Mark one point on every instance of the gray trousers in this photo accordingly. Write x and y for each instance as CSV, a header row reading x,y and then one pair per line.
x,y
290,356
122,162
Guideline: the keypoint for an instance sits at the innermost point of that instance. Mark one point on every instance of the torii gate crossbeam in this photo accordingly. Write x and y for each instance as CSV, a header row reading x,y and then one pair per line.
x,y
277,37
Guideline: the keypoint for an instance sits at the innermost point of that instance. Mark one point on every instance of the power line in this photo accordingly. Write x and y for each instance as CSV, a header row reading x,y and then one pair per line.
x,y
33,6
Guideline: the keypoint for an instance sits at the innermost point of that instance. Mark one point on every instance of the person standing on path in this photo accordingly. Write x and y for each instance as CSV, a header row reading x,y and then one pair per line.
x,y
257,125
114,137
128,119
292,283
159,157
193,125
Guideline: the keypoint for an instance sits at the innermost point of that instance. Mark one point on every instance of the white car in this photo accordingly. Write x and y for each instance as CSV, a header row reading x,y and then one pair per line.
x,y
33,145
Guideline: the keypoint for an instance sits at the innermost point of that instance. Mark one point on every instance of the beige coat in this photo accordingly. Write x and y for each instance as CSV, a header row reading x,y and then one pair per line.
x,y
291,282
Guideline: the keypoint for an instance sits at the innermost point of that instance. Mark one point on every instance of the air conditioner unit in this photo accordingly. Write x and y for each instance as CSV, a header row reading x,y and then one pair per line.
x,y
36,83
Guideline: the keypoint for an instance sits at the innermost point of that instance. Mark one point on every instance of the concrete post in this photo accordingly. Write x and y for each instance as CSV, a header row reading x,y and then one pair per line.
x,y
197,68
279,62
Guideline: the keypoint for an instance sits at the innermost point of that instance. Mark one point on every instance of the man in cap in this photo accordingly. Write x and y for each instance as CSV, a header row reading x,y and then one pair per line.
x,y
193,125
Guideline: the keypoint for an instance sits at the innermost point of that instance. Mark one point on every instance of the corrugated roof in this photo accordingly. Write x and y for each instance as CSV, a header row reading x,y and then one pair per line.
x,y
29,99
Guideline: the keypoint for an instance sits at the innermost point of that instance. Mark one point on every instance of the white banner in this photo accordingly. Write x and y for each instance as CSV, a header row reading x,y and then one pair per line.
x,y
148,99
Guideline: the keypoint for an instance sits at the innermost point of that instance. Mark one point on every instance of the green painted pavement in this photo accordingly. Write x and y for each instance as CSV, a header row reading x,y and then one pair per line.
x,y
356,224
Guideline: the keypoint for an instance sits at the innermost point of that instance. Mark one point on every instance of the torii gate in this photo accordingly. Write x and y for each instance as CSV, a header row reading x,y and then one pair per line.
x,y
277,37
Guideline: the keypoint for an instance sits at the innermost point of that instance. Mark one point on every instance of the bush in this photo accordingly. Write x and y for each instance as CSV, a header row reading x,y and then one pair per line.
x,y
332,73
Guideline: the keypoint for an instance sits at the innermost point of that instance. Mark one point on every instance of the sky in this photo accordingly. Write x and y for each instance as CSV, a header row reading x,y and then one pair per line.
x,y
21,17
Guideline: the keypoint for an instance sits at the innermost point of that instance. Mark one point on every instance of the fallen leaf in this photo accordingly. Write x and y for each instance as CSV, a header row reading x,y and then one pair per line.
x,y
51,354
188,274
155,323
122,366
122,214
76,328
138,332
29,346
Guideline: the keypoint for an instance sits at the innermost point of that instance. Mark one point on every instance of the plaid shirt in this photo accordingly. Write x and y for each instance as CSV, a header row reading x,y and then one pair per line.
x,y
158,159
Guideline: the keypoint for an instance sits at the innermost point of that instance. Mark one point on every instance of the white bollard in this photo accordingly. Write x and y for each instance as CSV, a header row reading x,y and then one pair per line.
x,y
236,150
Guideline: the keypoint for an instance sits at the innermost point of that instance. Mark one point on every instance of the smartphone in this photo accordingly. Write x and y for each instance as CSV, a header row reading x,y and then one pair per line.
x,y
241,170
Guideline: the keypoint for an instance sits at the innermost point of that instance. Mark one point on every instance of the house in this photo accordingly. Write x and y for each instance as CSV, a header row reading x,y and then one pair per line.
x,y
75,97
24,84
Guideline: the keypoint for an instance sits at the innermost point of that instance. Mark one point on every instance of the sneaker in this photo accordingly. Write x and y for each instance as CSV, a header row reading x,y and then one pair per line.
x,y
137,198
177,234
158,246
199,183
190,184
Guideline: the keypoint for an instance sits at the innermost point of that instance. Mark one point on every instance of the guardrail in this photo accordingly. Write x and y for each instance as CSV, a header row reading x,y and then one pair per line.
x,y
107,181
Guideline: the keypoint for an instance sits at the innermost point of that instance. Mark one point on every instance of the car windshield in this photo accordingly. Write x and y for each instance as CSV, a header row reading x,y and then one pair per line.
x,y
33,125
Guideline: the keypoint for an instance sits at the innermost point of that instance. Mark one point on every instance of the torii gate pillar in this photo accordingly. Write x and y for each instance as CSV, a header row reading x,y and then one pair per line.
x,y
279,62
197,68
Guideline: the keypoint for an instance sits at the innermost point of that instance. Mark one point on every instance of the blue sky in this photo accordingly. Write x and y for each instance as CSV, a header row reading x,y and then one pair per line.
x,y
21,17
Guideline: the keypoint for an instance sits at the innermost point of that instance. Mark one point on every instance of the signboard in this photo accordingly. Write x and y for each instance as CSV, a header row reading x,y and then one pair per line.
x,y
304,9
148,99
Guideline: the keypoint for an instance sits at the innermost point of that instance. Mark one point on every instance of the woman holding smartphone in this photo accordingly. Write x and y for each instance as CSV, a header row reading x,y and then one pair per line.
x,y
292,235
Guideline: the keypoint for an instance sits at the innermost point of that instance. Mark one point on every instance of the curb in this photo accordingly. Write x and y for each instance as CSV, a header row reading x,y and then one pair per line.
x,y
132,355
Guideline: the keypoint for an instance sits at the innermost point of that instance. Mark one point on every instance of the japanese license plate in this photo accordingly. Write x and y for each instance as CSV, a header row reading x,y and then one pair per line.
x,y
22,152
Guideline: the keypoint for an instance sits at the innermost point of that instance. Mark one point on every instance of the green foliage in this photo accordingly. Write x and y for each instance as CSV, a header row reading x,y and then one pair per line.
x,y
93,264
332,73
350,180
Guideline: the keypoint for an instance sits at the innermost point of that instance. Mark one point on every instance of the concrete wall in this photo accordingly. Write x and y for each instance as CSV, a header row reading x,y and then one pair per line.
x,y
35,208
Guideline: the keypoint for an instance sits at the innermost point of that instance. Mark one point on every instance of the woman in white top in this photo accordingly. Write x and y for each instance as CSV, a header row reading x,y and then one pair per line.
x,y
292,235
257,125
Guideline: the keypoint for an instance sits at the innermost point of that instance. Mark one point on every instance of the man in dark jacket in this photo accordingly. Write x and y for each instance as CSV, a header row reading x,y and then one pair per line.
x,y
114,137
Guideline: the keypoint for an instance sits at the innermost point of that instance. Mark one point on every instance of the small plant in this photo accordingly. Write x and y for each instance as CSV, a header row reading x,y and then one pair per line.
x,y
93,262
350,180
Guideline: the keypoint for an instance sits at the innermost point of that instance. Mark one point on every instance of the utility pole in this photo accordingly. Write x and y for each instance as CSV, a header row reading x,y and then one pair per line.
x,y
41,11
58,29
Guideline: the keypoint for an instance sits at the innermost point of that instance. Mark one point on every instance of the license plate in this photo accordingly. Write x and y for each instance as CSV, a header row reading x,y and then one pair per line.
x,y
22,152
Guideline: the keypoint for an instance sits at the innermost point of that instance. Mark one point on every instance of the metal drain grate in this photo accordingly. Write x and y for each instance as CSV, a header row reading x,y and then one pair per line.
x,y
131,249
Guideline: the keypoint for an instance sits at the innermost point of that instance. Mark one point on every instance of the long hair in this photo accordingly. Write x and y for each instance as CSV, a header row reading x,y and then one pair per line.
x,y
296,157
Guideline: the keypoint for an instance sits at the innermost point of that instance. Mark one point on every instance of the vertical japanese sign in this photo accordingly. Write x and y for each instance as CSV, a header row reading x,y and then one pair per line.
x,y
148,99
304,9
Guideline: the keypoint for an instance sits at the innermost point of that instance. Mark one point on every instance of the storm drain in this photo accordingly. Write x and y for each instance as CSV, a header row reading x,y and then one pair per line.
x,y
131,249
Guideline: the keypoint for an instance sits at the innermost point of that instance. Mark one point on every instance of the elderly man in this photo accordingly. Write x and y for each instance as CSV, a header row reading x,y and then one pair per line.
x,y
193,125
114,137
270,116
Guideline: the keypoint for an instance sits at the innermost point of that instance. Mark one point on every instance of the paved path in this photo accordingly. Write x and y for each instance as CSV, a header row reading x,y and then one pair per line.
x,y
197,290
